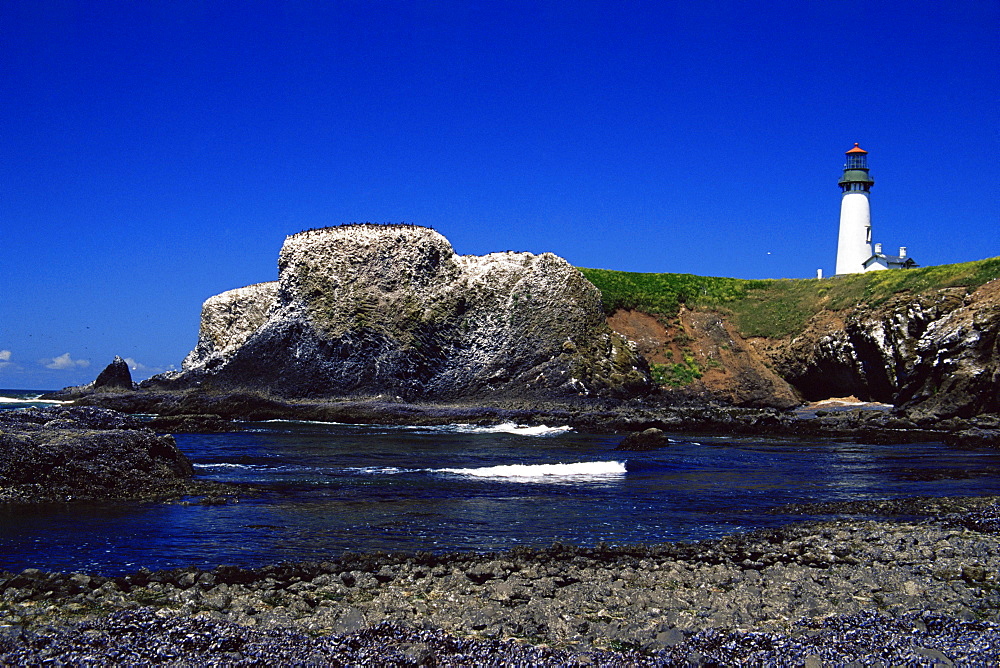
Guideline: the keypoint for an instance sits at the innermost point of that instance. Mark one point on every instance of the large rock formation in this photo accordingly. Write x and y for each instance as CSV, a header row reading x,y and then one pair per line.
x,y
936,353
375,309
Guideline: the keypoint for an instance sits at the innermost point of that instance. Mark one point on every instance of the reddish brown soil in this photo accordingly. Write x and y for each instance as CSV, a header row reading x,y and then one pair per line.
x,y
732,370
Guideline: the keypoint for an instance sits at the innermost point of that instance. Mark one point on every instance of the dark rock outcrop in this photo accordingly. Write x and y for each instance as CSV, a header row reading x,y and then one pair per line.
x,y
647,439
87,453
374,309
937,354
116,376
974,438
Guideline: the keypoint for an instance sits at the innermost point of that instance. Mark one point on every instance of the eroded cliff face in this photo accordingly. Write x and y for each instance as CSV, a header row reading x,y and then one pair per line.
x,y
373,309
701,356
934,353
228,320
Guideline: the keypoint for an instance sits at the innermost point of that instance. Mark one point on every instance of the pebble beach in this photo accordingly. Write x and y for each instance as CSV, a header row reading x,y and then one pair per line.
x,y
917,588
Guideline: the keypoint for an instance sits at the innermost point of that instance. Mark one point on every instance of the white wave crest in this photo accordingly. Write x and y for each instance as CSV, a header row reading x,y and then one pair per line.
x,y
509,428
460,427
283,421
276,468
226,465
378,470
21,400
545,471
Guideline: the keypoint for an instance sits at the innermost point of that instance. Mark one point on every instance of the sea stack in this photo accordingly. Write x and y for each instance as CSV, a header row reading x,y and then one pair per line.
x,y
367,310
116,376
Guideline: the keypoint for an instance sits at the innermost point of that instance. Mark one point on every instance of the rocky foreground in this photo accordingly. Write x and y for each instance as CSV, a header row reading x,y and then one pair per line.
x,y
919,592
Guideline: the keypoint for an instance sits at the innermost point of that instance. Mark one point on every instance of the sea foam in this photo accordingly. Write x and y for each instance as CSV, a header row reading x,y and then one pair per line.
x,y
21,400
544,471
461,428
510,428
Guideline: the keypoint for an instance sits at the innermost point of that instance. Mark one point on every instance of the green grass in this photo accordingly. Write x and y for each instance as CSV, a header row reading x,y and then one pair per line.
x,y
678,374
777,307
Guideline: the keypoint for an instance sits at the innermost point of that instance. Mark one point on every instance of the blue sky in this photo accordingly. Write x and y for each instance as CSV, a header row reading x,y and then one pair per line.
x,y
157,153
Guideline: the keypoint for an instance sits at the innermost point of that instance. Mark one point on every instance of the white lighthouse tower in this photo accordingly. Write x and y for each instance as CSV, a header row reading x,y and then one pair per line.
x,y
854,245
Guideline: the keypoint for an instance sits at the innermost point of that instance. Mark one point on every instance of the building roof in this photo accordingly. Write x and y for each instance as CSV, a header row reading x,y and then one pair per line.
x,y
856,149
890,260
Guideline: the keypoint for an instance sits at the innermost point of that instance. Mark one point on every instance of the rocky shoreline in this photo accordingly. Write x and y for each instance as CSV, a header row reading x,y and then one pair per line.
x,y
200,411
924,591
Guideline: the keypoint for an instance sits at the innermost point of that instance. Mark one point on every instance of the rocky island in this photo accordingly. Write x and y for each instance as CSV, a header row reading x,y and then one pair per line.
x,y
374,309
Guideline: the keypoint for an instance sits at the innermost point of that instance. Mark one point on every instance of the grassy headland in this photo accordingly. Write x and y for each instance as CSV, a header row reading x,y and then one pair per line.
x,y
777,307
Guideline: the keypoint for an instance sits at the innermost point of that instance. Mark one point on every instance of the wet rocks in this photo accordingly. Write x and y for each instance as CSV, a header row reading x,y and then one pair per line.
x,y
647,439
142,637
974,437
834,591
874,423
87,453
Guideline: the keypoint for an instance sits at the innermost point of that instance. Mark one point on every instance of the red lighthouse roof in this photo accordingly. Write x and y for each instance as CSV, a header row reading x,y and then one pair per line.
x,y
856,149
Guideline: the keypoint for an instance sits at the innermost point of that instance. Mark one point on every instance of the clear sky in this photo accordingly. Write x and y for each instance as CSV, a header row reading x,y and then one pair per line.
x,y
156,153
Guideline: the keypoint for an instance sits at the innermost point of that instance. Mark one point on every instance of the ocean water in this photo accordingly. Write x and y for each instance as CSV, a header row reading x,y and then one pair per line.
x,y
24,398
330,488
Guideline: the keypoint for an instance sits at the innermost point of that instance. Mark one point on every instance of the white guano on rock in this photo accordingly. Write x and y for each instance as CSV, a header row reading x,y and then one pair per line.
x,y
368,309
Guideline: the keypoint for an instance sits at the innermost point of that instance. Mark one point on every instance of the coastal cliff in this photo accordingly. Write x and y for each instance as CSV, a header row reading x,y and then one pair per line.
x,y
935,353
925,340
392,309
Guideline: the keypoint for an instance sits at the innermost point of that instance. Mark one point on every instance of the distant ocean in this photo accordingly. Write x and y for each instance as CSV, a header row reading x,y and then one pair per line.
x,y
22,398
333,487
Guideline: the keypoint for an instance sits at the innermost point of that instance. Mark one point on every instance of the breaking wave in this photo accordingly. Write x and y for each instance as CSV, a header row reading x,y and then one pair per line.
x,y
378,470
307,422
509,428
278,468
457,428
544,471
29,400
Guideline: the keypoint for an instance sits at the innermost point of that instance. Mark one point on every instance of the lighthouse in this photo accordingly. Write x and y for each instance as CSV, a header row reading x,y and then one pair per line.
x,y
854,244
